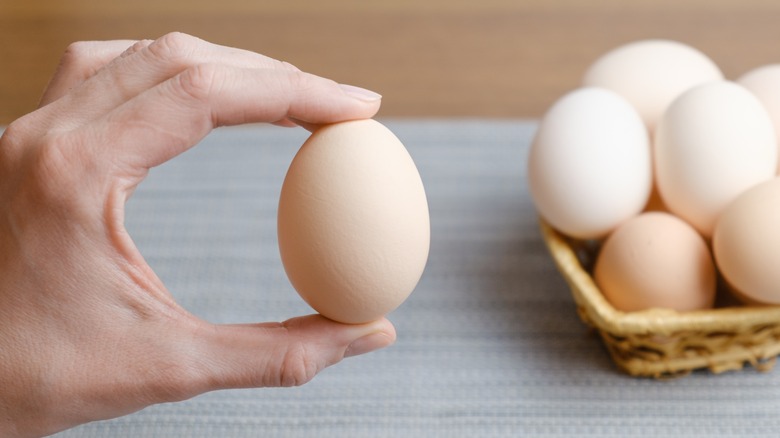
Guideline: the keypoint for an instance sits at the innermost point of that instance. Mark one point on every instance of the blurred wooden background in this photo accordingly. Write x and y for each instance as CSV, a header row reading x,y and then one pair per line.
x,y
429,58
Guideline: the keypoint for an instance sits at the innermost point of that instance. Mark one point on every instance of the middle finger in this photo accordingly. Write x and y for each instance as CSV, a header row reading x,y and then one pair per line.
x,y
129,76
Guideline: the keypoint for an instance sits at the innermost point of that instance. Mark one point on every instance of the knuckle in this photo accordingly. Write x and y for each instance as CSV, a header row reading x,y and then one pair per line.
x,y
44,184
297,368
141,44
174,46
49,160
284,65
13,136
51,170
198,82
297,80
137,47
12,144
173,382
303,84
79,61
51,153
174,370
77,54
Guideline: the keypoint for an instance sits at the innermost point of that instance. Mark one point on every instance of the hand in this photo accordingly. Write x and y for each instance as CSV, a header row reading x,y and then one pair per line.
x,y
87,330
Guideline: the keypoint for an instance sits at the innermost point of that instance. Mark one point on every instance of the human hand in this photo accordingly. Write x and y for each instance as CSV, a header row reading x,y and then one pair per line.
x,y
87,330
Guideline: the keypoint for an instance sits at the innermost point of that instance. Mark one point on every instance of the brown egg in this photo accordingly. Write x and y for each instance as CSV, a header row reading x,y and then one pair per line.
x,y
656,260
353,224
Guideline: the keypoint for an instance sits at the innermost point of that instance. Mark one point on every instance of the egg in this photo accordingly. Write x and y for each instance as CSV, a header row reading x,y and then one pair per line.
x,y
764,82
353,223
656,260
715,141
589,166
746,243
651,74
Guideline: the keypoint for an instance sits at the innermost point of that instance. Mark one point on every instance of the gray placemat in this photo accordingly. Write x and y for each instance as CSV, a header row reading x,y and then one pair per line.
x,y
488,345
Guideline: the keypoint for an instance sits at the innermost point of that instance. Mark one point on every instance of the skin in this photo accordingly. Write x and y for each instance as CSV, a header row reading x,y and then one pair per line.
x,y
87,330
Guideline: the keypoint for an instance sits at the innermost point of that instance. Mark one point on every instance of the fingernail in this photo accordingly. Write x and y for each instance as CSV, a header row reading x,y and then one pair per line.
x,y
367,344
360,93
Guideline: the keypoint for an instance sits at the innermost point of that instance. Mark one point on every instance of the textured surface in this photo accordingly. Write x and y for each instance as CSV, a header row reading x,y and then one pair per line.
x,y
489,344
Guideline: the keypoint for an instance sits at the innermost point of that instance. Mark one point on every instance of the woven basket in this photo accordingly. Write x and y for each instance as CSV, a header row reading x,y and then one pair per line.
x,y
661,342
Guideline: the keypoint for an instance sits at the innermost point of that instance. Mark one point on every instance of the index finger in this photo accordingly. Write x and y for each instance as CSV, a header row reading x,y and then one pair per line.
x,y
170,118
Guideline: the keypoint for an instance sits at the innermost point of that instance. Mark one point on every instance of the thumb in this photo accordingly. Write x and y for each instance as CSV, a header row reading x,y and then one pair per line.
x,y
290,353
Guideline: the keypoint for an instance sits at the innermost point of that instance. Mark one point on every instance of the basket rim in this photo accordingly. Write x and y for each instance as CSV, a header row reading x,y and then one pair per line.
x,y
652,321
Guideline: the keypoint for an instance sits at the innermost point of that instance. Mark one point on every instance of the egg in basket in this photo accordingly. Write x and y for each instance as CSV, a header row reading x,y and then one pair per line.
x,y
657,189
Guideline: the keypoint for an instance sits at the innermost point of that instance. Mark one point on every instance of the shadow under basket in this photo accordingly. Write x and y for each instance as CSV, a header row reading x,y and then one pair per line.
x,y
664,343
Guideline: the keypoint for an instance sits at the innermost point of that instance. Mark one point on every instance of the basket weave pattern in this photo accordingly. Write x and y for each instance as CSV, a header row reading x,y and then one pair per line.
x,y
661,342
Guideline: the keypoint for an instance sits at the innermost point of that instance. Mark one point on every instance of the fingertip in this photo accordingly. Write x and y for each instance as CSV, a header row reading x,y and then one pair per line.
x,y
361,94
375,336
358,338
288,353
368,343
316,101
386,327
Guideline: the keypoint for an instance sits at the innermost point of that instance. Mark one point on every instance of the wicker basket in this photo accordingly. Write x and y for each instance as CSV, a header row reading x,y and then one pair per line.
x,y
664,343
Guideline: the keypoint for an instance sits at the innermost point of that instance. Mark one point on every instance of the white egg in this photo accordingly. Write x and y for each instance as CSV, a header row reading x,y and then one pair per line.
x,y
715,141
590,163
651,74
764,82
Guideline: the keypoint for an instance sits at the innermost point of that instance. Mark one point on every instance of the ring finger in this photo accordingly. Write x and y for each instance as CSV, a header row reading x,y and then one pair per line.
x,y
79,63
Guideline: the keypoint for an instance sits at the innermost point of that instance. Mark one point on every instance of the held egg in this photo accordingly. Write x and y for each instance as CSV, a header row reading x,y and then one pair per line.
x,y
746,243
715,141
589,166
353,222
656,260
651,74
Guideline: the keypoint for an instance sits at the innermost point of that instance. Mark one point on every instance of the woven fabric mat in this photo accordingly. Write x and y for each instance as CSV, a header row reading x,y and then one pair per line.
x,y
489,344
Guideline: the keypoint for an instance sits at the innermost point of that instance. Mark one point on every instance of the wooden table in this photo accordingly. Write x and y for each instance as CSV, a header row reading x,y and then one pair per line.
x,y
431,58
